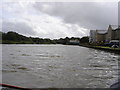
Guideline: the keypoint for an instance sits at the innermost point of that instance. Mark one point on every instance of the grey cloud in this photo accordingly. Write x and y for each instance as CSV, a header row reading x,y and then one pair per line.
x,y
19,27
91,15
52,35
23,28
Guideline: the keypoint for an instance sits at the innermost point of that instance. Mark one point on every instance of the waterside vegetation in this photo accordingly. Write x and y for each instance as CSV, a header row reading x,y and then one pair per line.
x,y
16,38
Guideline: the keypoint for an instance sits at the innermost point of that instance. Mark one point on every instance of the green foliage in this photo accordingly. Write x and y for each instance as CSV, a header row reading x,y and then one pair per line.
x,y
84,40
15,38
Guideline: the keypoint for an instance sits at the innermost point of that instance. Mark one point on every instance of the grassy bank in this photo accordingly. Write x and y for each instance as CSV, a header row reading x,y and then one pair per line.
x,y
108,49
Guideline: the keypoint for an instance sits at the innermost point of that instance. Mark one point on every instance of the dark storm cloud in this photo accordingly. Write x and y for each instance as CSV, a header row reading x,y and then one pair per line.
x,y
20,27
91,15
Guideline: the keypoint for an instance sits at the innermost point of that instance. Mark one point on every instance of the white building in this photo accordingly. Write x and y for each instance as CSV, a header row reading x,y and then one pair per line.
x,y
74,41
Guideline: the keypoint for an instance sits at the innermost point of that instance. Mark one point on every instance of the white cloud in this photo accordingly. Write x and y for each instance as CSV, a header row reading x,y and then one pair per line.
x,y
62,0
43,25
52,20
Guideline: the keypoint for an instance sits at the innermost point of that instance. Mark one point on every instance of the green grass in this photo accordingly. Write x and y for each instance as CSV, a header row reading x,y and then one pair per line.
x,y
107,47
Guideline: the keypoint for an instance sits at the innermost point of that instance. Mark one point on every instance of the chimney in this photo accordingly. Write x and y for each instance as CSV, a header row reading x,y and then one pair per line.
x,y
110,27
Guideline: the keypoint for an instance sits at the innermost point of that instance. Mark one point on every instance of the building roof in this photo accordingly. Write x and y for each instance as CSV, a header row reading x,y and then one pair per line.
x,y
101,31
115,27
118,28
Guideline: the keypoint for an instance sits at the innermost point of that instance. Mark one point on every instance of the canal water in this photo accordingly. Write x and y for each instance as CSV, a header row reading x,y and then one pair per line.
x,y
58,66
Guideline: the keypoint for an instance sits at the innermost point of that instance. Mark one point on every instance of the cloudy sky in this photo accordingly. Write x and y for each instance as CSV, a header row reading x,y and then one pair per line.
x,y
57,19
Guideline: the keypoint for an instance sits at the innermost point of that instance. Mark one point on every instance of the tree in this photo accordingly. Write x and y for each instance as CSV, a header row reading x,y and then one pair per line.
x,y
84,39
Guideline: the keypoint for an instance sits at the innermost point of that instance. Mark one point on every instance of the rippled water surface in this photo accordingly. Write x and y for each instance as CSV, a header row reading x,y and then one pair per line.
x,y
58,66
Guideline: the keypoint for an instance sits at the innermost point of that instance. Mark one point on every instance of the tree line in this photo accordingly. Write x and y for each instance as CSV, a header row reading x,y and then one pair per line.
x,y
16,38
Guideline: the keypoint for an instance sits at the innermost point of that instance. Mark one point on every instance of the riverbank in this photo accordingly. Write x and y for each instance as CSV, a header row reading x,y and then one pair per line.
x,y
108,49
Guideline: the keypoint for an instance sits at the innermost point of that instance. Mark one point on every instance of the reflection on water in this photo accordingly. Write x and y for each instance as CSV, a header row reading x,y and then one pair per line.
x,y
58,66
